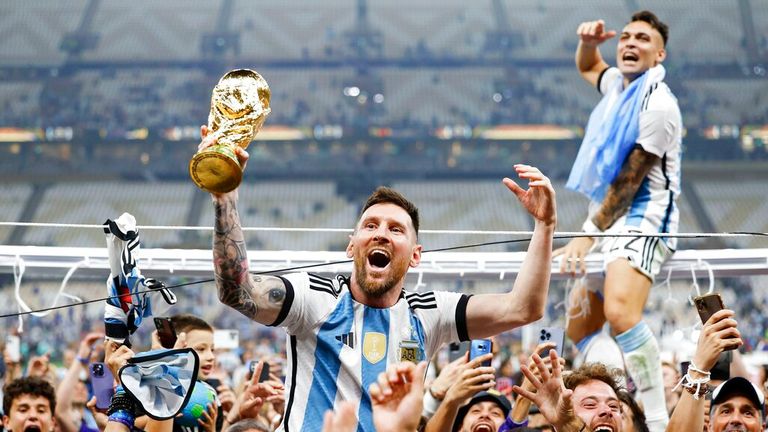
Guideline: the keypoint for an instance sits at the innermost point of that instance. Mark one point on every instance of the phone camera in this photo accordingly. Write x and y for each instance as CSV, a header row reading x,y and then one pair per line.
x,y
98,370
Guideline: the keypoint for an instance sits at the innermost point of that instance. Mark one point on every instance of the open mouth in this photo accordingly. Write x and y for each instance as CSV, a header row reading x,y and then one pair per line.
x,y
630,56
378,258
32,428
483,427
603,428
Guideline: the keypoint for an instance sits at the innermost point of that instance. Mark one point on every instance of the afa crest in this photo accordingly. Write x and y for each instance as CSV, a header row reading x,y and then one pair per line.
x,y
374,347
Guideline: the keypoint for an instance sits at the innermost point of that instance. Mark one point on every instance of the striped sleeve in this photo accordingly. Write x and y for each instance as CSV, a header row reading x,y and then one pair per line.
x,y
443,315
311,298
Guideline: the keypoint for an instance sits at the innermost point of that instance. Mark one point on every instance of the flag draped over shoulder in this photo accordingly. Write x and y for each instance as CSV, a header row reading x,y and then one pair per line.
x,y
611,135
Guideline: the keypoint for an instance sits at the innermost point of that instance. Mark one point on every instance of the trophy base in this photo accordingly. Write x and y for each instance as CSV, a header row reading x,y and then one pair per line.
x,y
216,169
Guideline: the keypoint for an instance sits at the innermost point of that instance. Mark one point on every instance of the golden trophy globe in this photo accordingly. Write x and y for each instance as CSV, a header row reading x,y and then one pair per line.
x,y
239,106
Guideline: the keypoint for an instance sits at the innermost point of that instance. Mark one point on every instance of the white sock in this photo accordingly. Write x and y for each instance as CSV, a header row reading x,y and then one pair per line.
x,y
600,348
641,356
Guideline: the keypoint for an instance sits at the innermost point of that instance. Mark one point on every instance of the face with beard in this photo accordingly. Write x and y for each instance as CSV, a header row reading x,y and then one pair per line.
x,y
29,414
383,247
483,416
597,405
737,414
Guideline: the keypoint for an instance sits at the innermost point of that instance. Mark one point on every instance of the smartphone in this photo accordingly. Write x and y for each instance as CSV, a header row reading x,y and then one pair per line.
x,y
707,305
13,348
722,369
457,349
479,347
264,370
102,383
165,332
554,335
214,382
684,367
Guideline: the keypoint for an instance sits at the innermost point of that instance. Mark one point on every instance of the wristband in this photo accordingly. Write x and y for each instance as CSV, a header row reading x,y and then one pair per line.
x,y
83,360
123,417
121,402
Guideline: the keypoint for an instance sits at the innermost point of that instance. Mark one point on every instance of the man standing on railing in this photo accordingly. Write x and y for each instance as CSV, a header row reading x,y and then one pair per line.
x,y
629,166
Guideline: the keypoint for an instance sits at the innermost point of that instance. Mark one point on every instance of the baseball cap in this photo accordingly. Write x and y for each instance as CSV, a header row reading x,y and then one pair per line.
x,y
490,395
739,386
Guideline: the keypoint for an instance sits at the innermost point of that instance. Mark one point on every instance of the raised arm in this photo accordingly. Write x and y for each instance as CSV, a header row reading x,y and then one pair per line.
x,y
718,334
589,62
260,298
491,314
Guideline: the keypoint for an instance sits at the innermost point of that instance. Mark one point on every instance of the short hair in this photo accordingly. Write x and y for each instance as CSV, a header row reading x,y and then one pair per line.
x,y
186,323
638,416
651,18
248,424
594,372
385,195
33,386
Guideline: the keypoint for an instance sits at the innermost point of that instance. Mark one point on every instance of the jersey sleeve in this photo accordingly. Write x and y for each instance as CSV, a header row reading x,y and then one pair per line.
x,y
607,78
447,322
659,124
308,299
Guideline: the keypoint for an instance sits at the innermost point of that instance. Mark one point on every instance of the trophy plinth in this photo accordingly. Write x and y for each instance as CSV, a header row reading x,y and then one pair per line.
x,y
216,169
239,106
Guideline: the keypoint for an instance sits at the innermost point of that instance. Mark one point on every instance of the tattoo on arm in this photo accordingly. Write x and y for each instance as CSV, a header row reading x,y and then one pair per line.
x,y
624,187
259,298
231,261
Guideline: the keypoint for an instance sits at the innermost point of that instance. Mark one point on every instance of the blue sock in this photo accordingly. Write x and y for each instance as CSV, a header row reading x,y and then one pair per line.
x,y
635,337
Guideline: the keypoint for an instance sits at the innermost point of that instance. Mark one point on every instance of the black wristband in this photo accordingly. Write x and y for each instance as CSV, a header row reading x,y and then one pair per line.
x,y
121,402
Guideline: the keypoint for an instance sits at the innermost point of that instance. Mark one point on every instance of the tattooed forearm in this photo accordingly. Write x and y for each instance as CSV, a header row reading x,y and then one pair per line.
x,y
624,187
257,297
230,259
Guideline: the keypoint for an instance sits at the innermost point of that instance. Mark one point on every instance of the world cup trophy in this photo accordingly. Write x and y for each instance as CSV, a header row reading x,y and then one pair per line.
x,y
239,106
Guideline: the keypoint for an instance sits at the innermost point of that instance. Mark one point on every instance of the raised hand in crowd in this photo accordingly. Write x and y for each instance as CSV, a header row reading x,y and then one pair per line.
x,y
39,366
343,419
70,386
447,376
207,420
249,403
397,397
718,334
550,395
472,378
522,404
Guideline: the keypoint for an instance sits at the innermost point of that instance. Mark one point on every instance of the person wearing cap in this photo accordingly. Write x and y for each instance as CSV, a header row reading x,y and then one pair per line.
x,y
486,411
737,404
473,380
718,334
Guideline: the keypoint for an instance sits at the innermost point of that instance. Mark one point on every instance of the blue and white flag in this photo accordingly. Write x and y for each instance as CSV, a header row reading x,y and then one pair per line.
x,y
611,135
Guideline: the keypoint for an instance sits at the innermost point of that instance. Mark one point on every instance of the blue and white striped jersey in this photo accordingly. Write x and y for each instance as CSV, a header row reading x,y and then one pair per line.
x,y
654,207
337,347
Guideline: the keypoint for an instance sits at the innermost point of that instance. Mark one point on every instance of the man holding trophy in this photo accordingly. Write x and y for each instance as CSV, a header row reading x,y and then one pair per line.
x,y
344,331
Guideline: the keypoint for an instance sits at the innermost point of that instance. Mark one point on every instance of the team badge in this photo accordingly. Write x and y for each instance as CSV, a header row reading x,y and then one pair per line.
x,y
374,347
410,351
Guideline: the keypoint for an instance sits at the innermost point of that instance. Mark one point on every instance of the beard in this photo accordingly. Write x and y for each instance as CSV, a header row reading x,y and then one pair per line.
x,y
396,270
375,289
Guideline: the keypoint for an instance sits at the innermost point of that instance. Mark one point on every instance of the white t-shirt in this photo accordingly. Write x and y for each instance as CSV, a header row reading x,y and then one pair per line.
x,y
654,208
337,347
